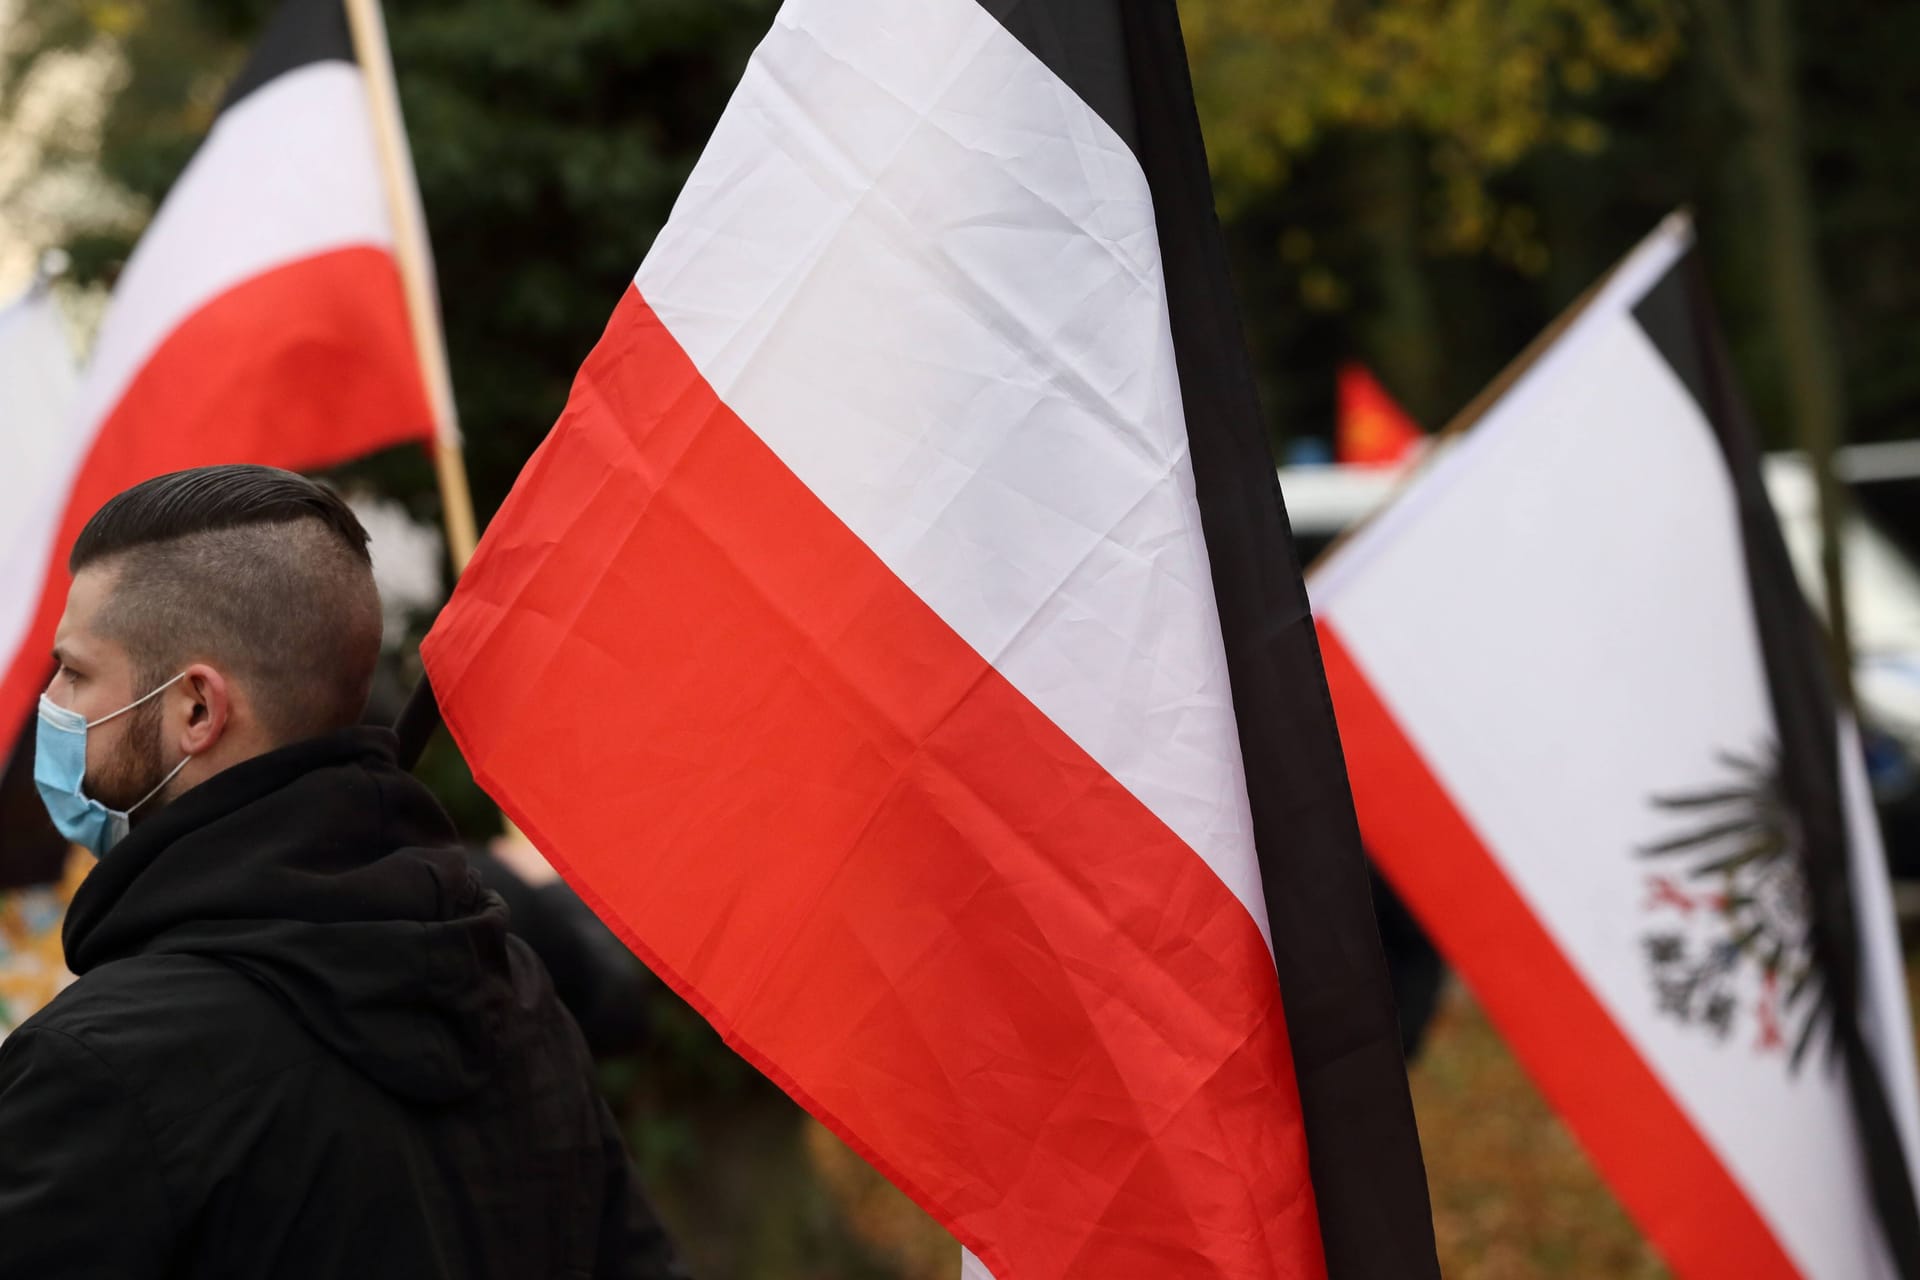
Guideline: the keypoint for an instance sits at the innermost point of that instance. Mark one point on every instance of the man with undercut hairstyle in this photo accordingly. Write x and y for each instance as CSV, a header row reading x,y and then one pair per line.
x,y
302,1041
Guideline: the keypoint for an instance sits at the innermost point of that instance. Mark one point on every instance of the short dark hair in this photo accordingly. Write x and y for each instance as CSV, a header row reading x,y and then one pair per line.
x,y
259,571
204,499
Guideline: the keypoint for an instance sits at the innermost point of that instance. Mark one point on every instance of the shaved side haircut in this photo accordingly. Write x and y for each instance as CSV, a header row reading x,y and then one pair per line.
x,y
260,572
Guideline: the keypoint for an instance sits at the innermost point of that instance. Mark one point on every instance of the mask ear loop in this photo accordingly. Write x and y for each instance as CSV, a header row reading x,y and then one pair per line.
x,y
153,693
156,692
163,782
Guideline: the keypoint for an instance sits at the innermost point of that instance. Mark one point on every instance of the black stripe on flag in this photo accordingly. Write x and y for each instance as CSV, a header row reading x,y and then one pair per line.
x,y
1677,315
302,32
1082,42
1127,60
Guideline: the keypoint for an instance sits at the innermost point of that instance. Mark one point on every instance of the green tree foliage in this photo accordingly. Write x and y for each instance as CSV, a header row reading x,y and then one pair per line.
x,y
1423,184
1484,83
1369,143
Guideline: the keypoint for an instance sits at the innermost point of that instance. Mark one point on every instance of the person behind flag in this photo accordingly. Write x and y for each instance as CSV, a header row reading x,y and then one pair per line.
x,y
301,1041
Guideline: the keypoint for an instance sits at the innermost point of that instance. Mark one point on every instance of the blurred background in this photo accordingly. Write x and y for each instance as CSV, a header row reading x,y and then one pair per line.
x,y
1418,186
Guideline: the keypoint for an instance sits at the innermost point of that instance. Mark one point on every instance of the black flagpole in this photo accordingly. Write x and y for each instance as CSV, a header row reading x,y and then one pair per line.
x,y
416,724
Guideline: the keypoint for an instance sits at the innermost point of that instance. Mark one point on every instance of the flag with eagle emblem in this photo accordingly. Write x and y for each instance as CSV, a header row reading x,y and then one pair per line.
x,y
1593,746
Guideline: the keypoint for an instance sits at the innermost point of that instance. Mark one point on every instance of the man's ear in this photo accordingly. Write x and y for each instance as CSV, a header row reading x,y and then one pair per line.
x,y
208,709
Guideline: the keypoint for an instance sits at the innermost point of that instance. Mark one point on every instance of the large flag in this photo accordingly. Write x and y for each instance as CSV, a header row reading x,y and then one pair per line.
x,y
260,319
1371,430
898,642
1593,746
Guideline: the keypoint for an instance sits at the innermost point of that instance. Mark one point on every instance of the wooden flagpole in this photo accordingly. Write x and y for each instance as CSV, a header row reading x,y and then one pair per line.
x,y
410,253
370,50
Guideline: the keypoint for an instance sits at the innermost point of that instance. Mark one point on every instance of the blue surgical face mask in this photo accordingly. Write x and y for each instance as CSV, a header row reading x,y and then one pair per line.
x,y
60,768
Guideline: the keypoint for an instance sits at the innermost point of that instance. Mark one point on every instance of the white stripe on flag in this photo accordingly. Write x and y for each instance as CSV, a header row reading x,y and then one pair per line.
x,y
41,452
287,172
927,275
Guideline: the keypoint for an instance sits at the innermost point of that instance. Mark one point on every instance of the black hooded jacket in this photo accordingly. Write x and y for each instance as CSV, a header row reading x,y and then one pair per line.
x,y
302,1043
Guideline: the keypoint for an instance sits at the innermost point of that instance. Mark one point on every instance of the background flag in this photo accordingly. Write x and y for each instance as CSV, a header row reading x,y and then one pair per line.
x,y
1372,430
37,386
1593,746
261,319
897,640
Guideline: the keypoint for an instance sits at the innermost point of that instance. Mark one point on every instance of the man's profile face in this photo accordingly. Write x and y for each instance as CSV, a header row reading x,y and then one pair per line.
x,y
96,677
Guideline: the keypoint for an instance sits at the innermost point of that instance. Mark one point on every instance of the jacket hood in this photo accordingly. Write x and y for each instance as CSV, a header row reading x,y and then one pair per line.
x,y
328,875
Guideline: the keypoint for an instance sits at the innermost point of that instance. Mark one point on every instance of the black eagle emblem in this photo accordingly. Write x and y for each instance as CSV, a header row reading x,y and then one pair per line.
x,y
1730,949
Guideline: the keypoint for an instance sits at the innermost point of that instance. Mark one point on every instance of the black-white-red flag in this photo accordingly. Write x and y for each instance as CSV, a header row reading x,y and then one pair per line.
x,y
1592,745
898,641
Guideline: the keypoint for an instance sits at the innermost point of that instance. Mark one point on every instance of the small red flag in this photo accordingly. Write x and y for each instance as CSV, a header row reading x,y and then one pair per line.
x,y
1373,430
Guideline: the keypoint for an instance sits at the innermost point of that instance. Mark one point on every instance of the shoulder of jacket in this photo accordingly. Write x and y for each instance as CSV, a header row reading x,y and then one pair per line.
x,y
147,991
178,1031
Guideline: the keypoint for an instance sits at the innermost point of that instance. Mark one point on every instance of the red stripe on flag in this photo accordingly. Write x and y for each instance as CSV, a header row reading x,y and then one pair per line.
x,y
869,861
1638,1137
301,367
